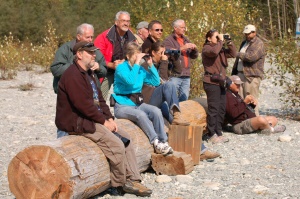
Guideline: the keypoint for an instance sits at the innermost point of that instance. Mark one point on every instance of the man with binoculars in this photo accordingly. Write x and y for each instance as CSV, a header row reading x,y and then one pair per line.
x,y
188,50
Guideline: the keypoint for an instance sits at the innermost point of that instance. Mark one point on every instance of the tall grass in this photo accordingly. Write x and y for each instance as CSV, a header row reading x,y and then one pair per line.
x,y
16,55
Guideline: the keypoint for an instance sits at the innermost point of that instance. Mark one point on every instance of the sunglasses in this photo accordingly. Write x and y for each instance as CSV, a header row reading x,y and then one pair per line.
x,y
161,30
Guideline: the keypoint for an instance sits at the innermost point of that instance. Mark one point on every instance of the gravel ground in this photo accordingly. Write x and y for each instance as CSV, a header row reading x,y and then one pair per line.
x,y
252,166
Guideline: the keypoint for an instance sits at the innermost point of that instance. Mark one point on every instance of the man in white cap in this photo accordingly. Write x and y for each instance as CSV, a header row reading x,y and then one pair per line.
x,y
240,113
249,63
142,32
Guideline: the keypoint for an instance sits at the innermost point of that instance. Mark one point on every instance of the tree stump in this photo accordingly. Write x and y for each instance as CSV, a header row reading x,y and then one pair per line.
x,y
178,163
193,112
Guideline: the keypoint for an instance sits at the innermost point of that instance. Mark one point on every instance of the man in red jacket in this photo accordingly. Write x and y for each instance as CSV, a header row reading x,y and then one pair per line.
x,y
111,43
81,110
241,115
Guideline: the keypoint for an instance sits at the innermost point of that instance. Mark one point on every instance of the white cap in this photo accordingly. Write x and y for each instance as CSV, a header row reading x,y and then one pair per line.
x,y
249,28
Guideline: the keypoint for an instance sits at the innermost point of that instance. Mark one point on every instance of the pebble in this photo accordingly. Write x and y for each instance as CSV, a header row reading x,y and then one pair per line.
x,y
252,165
284,138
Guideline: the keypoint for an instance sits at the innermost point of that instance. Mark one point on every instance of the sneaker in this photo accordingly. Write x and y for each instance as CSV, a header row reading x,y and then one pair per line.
x,y
209,155
217,139
162,148
136,188
279,128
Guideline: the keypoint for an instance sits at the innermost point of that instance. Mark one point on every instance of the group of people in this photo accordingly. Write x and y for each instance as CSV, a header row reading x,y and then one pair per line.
x,y
150,77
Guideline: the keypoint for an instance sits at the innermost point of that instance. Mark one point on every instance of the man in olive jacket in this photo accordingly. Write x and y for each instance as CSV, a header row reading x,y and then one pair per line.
x,y
64,56
81,110
249,64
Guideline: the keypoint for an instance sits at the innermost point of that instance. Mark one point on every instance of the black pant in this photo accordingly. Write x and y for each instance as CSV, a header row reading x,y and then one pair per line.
x,y
216,101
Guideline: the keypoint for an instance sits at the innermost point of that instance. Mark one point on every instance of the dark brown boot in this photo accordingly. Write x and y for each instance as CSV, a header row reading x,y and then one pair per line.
x,y
136,188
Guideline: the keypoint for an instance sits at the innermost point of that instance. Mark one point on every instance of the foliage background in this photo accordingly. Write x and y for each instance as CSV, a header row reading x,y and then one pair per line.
x,y
32,30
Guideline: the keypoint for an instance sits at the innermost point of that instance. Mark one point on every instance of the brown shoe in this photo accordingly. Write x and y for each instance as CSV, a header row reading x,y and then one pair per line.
x,y
136,188
209,155
178,120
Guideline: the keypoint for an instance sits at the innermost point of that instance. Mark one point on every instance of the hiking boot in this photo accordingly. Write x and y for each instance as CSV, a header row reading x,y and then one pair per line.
x,y
162,148
279,128
224,139
116,191
209,155
136,188
179,120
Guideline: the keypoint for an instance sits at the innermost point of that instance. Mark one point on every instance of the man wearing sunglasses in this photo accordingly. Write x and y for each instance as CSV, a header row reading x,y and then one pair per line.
x,y
249,63
155,33
111,43
81,110
64,56
189,51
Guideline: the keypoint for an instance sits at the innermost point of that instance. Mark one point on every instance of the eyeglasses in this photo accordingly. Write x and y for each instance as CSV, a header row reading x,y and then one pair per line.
x,y
124,21
161,30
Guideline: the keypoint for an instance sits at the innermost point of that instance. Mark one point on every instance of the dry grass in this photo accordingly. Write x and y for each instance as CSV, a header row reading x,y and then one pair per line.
x,y
16,55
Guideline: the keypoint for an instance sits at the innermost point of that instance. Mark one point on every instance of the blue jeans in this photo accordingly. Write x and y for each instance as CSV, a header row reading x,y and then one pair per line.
x,y
61,133
182,85
149,118
165,93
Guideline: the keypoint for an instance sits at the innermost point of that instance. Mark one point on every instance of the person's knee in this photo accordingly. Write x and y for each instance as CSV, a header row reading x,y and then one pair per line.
x,y
261,120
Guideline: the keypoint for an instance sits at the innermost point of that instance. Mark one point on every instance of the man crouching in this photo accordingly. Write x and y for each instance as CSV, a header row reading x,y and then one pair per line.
x,y
81,110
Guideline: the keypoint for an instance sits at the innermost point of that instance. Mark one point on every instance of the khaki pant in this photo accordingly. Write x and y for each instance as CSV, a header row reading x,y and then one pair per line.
x,y
250,87
122,161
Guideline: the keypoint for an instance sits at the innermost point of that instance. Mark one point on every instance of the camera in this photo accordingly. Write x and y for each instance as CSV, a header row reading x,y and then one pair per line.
x,y
251,107
226,37
172,52
123,139
146,57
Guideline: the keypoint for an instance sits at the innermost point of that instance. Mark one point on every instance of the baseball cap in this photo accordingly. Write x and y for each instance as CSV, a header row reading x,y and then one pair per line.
x,y
249,28
84,45
236,79
142,24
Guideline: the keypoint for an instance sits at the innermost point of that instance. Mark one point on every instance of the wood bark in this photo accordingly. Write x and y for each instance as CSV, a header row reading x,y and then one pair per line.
x,y
179,163
75,167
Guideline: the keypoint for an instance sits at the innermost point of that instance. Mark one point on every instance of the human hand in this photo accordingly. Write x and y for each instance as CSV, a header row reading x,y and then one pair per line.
x,y
249,99
111,125
188,46
139,56
164,56
95,67
117,62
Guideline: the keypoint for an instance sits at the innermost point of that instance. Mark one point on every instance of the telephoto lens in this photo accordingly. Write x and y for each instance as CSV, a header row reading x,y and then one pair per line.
x,y
123,139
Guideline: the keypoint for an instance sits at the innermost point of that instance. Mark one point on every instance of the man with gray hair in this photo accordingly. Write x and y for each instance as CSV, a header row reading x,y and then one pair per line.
x,y
142,32
64,56
111,43
189,51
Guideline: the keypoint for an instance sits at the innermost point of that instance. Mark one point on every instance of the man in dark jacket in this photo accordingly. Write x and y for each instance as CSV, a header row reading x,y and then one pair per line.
x,y
64,56
240,113
189,51
111,43
249,63
155,33
81,110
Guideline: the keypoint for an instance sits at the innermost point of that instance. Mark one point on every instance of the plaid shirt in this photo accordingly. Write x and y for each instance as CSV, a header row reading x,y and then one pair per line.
x,y
253,59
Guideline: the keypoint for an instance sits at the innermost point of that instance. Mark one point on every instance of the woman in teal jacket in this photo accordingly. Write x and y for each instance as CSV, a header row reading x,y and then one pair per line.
x,y
129,80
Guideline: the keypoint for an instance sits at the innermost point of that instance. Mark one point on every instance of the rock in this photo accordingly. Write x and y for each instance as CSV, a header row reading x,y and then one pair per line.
x,y
163,178
184,179
259,189
212,185
284,138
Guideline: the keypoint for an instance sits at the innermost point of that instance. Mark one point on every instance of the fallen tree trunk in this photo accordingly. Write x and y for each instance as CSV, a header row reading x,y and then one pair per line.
x,y
74,166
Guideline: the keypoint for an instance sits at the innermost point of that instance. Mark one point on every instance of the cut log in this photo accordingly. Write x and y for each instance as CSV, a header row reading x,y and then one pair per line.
x,y
187,139
75,167
70,167
178,163
193,112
